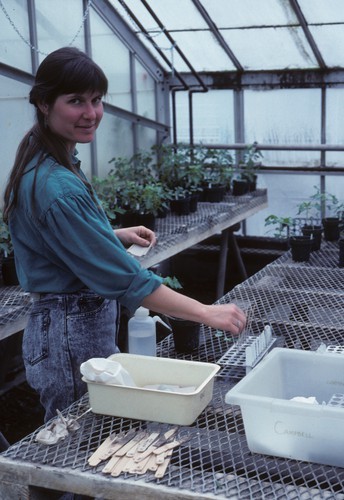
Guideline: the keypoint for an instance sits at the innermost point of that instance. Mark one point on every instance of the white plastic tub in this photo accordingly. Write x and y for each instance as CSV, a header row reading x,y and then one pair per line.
x,y
156,405
275,425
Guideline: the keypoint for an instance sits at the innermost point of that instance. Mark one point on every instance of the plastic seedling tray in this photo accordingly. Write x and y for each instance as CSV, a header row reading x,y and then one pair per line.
x,y
248,350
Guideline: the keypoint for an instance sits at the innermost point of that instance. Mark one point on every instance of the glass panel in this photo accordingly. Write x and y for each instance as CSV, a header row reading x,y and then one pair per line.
x,y
270,48
202,50
17,118
57,25
318,11
166,50
240,13
146,138
182,15
13,50
288,116
335,185
212,117
113,57
335,125
114,138
285,193
169,12
330,41
84,155
145,89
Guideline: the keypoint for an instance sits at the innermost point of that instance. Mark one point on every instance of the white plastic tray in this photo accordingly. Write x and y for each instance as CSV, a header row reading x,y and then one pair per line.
x,y
156,405
275,425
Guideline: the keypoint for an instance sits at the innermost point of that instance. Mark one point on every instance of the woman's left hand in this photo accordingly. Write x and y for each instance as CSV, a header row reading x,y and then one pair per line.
x,y
138,235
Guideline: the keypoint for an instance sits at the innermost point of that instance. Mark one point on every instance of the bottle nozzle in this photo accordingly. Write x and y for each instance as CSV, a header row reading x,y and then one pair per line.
x,y
157,319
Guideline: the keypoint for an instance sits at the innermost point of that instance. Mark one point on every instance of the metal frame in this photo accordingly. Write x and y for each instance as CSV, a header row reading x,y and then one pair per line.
x,y
303,311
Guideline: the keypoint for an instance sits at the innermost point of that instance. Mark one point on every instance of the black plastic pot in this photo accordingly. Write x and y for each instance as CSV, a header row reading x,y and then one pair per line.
x,y
130,219
240,187
162,212
315,233
214,194
194,202
185,335
9,273
331,228
300,248
341,252
181,206
251,181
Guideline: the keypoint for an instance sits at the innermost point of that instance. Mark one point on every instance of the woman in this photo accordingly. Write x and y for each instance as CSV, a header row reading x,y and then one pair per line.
x,y
67,254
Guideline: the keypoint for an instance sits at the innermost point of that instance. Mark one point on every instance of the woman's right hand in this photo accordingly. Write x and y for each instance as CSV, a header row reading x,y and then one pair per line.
x,y
228,317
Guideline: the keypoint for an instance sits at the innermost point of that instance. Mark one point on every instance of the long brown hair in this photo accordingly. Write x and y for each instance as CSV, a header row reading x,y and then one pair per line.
x,y
65,71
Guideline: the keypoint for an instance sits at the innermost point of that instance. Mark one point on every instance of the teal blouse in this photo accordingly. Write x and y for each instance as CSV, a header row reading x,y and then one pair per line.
x,y
64,241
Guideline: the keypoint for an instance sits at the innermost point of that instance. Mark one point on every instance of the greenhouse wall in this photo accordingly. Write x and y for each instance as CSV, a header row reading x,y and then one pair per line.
x,y
138,107
44,26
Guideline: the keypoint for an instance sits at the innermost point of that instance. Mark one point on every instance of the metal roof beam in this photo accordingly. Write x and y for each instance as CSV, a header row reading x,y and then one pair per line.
x,y
278,147
301,18
269,79
215,31
173,42
16,74
152,41
116,23
134,118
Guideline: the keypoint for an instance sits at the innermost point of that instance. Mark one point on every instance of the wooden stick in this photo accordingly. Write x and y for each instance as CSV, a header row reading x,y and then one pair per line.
x,y
147,442
156,445
95,457
111,464
169,446
120,465
140,468
129,445
159,459
160,472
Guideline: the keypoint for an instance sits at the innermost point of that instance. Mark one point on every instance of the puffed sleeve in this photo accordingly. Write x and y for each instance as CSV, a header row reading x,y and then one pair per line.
x,y
78,232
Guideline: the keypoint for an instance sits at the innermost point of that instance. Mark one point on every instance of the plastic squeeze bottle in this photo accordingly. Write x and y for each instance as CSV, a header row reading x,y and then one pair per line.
x,y
142,333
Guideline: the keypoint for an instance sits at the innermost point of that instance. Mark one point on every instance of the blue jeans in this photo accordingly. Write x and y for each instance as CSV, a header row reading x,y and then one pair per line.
x,y
63,331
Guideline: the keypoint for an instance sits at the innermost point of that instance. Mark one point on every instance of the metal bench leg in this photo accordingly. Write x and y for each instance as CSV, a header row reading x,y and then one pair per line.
x,y
228,239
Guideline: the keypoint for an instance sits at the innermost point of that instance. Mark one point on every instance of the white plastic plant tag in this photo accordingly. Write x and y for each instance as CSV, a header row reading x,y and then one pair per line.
x,y
138,250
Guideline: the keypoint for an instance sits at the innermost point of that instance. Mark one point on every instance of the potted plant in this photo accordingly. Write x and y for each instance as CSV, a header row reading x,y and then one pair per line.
x,y
310,227
139,194
332,208
8,269
246,180
191,181
180,171
333,219
180,201
300,245
142,202
217,174
281,225
106,192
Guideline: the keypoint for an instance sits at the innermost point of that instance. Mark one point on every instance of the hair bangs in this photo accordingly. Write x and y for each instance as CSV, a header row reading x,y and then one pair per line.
x,y
85,77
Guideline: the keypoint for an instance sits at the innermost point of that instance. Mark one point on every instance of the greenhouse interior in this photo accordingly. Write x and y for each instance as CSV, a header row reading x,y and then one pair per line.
x,y
172,249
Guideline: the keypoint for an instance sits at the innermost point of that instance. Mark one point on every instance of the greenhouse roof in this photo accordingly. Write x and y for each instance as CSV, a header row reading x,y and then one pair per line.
x,y
239,35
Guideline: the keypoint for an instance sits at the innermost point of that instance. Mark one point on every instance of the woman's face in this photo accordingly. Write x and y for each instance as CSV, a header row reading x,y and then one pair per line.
x,y
75,117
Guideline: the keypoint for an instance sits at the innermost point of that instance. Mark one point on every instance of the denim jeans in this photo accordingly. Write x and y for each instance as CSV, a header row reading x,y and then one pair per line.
x,y
63,331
